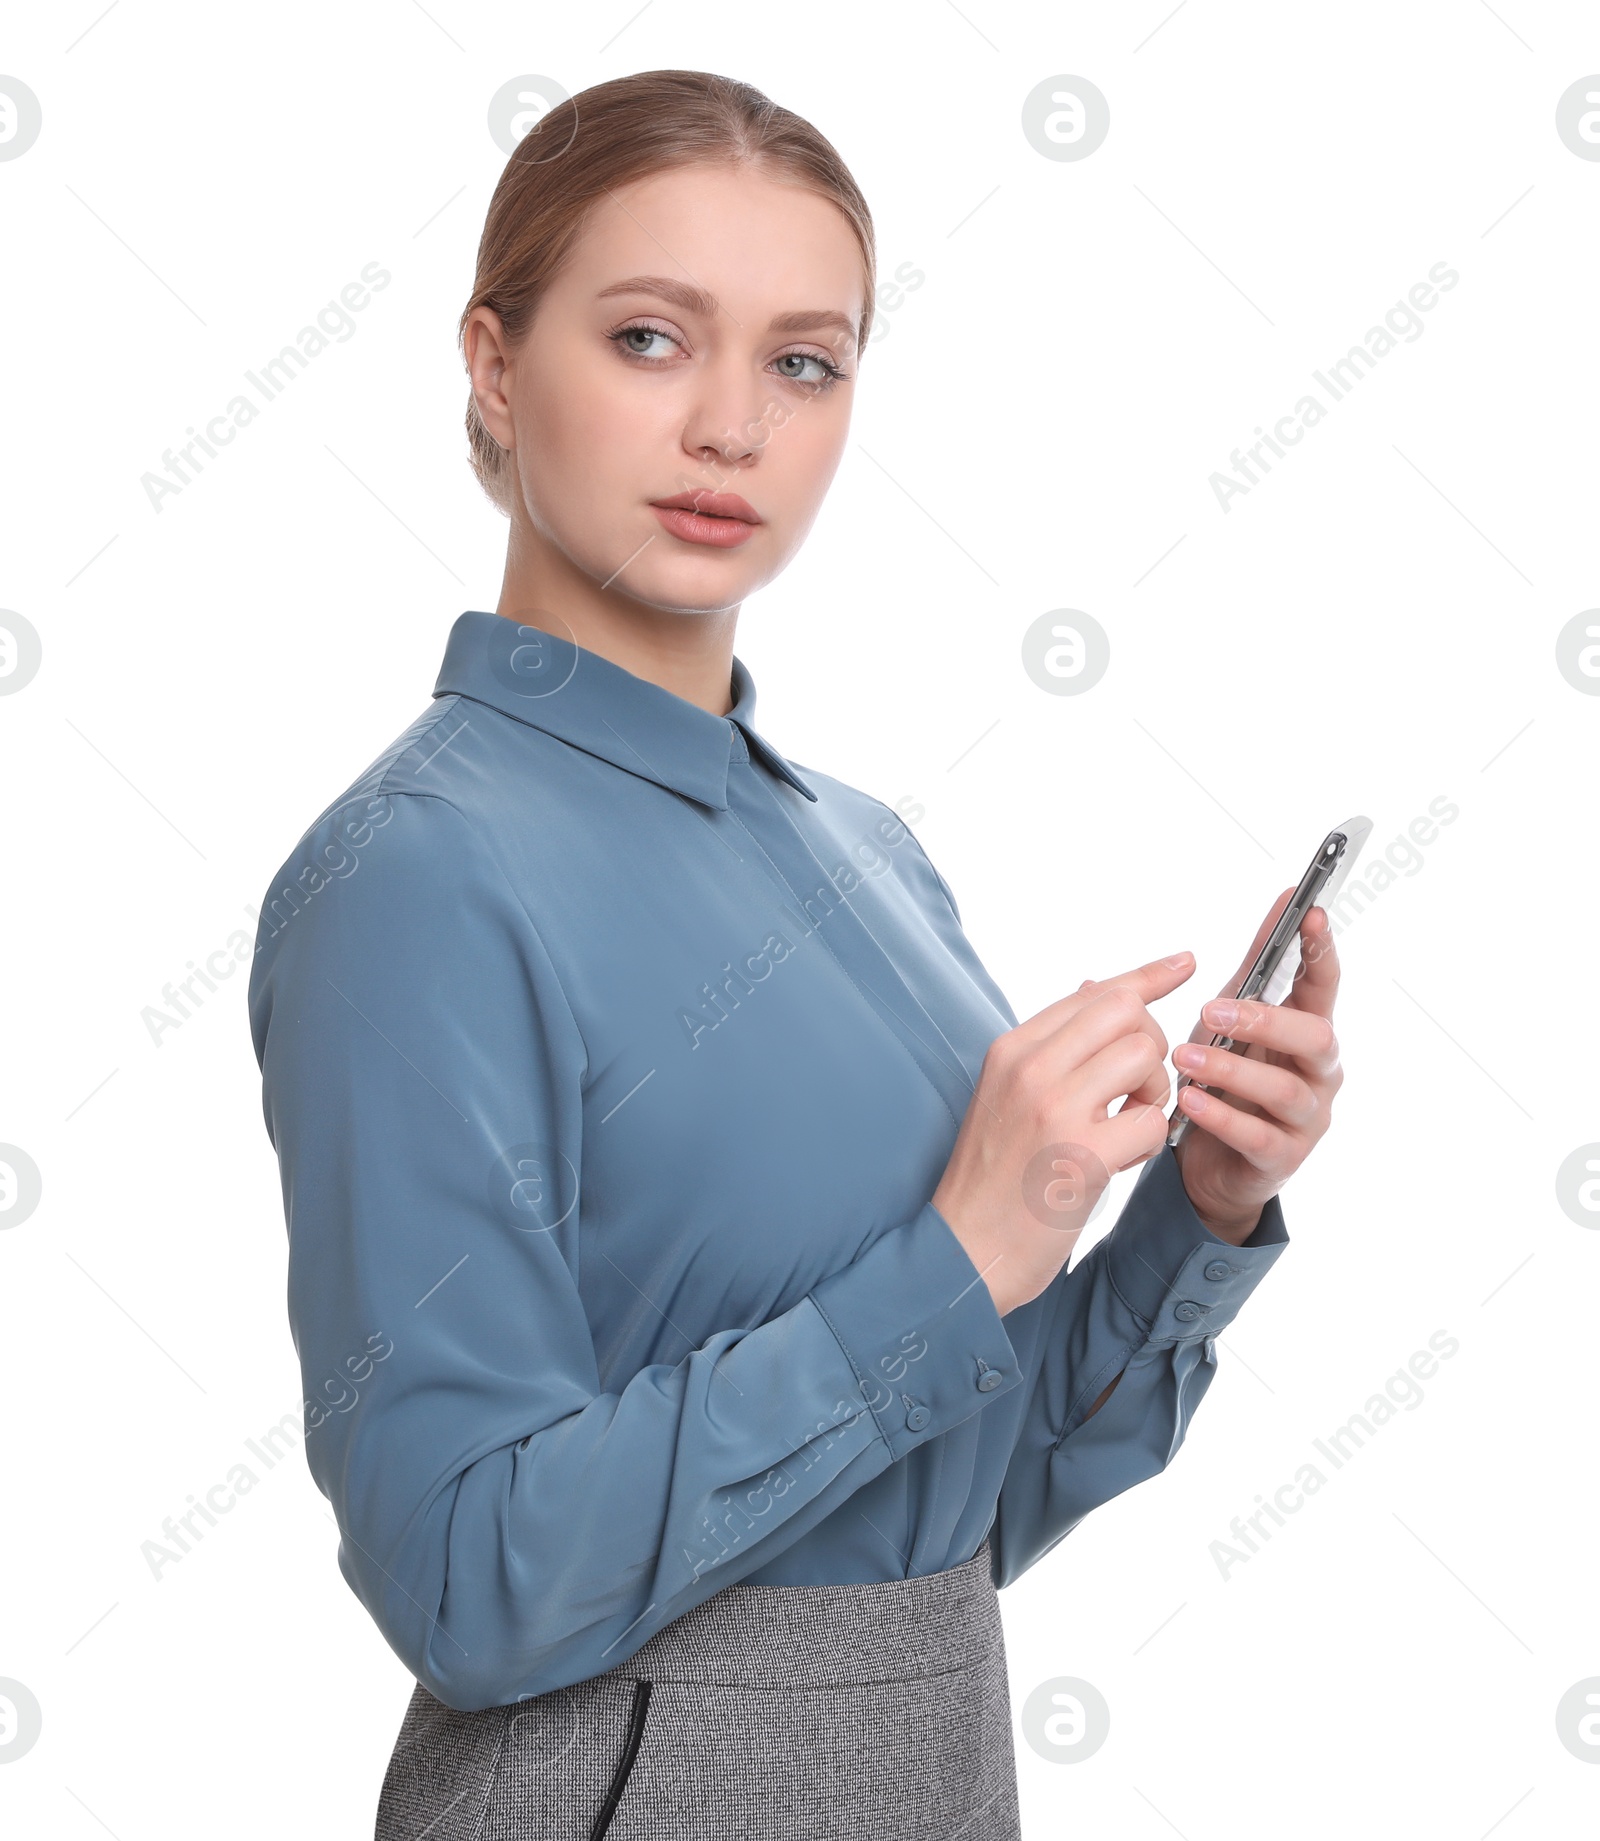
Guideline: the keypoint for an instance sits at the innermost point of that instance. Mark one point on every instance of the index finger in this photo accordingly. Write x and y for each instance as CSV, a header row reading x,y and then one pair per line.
x,y
1316,981
1316,977
1146,982
1274,913
1202,1031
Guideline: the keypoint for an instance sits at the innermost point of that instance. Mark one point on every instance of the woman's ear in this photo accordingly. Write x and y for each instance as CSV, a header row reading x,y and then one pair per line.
x,y
487,359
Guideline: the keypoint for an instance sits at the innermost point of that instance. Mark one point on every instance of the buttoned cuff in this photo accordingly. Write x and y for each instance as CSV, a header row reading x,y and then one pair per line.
x,y
921,1331
1171,1270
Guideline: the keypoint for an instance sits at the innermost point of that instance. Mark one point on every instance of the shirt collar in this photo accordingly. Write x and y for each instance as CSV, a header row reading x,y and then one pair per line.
x,y
568,691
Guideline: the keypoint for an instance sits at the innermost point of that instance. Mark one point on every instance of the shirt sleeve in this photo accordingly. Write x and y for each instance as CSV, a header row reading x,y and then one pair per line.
x,y
510,1523
1146,1301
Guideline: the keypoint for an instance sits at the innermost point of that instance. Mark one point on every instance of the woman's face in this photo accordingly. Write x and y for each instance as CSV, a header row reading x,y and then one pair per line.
x,y
700,341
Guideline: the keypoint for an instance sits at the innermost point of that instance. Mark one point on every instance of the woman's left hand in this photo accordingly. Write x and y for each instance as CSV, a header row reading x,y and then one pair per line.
x,y
1239,1151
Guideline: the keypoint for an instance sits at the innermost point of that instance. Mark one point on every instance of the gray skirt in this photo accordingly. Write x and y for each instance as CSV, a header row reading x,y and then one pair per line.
x,y
768,1713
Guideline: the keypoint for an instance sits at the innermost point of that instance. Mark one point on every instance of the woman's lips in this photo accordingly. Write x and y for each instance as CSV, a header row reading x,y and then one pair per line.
x,y
721,519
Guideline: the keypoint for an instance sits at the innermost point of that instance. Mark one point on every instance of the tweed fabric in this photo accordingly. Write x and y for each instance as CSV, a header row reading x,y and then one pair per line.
x,y
774,1713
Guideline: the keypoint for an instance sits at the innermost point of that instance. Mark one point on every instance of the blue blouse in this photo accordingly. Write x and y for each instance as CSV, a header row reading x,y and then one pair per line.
x,y
610,1061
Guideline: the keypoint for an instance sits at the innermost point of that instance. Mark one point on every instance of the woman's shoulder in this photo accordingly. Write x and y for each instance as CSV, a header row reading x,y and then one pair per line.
x,y
416,761
410,780
432,767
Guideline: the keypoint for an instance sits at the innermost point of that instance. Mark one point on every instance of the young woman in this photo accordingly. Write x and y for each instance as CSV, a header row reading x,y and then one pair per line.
x,y
678,1214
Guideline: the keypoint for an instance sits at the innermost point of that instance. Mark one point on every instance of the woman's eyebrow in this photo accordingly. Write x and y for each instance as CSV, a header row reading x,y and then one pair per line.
x,y
680,293
697,300
813,319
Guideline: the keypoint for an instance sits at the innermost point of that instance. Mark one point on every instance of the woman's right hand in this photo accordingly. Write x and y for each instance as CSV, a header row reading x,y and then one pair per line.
x,y
1039,1143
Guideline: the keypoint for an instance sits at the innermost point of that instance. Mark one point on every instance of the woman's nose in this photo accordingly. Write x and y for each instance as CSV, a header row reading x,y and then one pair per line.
x,y
727,419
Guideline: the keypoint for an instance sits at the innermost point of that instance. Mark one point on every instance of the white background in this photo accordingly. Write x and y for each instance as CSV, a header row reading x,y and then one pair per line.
x,y
1372,628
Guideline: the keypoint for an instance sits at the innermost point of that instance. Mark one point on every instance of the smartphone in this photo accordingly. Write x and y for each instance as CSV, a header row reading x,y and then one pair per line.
x,y
1270,979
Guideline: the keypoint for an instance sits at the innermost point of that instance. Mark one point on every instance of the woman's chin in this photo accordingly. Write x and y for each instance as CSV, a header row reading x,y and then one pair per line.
x,y
692,585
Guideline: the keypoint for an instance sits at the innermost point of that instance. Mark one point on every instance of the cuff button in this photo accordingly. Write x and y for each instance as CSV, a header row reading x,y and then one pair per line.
x,y
1218,1268
989,1380
1187,1312
917,1418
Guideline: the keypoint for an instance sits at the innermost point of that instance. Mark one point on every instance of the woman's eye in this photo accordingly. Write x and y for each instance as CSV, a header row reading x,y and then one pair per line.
x,y
792,366
639,341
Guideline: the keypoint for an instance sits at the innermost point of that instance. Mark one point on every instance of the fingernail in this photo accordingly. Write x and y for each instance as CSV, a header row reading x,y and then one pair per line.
x,y
1222,1013
1178,958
